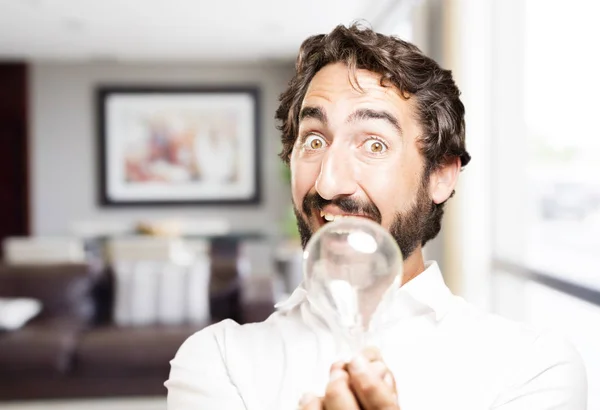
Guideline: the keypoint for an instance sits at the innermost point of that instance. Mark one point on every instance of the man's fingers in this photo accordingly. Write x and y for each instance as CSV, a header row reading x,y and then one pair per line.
x,y
310,402
338,395
376,365
340,365
372,354
379,369
372,391
388,379
364,384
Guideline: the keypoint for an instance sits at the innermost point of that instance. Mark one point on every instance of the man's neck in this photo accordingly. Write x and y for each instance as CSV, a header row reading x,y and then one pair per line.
x,y
413,265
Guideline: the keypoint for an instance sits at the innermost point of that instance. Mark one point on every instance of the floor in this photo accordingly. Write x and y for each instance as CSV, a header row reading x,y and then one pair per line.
x,y
152,403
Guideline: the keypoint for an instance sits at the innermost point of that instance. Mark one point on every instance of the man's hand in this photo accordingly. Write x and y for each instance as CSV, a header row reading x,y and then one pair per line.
x,y
363,384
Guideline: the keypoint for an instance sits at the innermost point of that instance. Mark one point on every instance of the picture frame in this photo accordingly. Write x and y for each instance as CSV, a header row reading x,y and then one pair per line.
x,y
184,145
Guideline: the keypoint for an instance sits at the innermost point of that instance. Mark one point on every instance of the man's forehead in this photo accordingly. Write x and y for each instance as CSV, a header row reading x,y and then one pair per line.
x,y
336,82
338,76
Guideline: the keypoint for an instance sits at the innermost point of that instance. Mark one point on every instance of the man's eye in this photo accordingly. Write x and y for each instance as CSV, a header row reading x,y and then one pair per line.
x,y
314,142
375,146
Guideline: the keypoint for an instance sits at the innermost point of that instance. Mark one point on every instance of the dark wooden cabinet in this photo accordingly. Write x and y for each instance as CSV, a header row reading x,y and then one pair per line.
x,y
14,150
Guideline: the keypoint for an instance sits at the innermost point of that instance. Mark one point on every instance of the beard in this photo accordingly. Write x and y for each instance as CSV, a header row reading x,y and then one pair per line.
x,y
408,227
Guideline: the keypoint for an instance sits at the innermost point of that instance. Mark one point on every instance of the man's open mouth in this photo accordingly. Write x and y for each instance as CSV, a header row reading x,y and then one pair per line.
x,y
326,217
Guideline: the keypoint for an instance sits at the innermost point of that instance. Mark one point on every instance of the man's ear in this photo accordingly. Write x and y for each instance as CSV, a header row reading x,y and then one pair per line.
x,y
443,180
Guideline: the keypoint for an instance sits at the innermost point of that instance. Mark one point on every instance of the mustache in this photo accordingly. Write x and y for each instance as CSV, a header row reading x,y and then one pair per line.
x,y
313,201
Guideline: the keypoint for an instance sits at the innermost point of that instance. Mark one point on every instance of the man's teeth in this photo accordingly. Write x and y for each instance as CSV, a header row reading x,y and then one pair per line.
x,y
331,218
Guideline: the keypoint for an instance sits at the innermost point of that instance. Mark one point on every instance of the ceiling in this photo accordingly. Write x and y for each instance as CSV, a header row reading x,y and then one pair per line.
x,y
179,30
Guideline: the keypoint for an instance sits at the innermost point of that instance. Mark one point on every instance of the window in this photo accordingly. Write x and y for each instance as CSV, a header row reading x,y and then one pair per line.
x,y
545,147
561,111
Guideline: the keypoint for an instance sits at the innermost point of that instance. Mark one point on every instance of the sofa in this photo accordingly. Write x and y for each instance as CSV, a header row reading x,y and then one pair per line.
x,y
74,349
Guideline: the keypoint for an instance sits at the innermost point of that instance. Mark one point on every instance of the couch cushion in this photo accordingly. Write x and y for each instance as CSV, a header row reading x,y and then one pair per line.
x,y
114,350
65,290
41,349
15,312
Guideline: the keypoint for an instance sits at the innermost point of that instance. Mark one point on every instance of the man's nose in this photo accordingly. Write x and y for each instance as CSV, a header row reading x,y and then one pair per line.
x,y
337,176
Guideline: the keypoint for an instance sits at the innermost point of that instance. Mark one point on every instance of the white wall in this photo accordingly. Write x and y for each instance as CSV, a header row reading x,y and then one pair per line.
x,y
455,33
64,143
427,34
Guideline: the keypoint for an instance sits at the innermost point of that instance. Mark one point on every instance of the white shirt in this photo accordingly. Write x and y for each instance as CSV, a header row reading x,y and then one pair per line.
x,y
443,352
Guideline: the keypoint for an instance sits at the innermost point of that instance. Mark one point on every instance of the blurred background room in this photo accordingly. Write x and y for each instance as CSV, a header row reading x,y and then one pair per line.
x,y
142,197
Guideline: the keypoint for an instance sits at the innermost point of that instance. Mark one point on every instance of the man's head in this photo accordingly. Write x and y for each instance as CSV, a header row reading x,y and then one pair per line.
x,y
371,127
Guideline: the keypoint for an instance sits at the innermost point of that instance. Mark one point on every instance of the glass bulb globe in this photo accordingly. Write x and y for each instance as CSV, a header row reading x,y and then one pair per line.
x,y
351,268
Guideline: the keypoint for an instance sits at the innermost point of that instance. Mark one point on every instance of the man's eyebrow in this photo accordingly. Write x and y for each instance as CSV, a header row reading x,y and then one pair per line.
x,y
313,112
370,114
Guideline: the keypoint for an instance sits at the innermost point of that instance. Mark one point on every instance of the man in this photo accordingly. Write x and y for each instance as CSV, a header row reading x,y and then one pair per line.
x,y
372,127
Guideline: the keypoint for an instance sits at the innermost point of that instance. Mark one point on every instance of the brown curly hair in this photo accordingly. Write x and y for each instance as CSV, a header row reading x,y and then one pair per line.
x,y
437,105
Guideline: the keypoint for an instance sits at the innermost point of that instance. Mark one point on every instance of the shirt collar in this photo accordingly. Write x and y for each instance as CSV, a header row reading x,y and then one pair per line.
x,y
427,289
296,298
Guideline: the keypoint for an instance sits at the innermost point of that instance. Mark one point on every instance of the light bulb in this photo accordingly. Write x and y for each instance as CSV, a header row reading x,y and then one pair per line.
x,y
351,267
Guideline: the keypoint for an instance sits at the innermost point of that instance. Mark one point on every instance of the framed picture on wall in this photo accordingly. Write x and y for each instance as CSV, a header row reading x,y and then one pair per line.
x,y
174,146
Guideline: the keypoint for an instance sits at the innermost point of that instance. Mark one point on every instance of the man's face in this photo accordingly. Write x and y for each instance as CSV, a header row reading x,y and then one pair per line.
x,y
357,154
